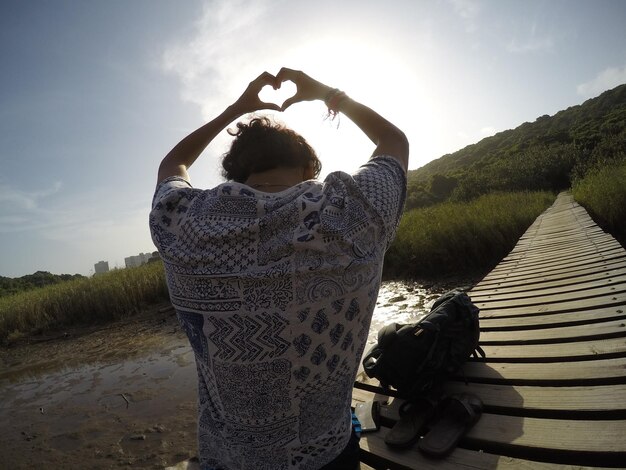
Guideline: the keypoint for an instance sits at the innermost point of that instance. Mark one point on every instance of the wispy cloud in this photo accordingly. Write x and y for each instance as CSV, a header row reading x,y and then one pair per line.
x,y
605,80
468,10
34,211
533,42
223,47
22,210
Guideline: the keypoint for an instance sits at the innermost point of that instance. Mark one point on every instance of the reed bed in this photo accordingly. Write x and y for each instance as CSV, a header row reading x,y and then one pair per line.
x,y
602,192
104,297
462,238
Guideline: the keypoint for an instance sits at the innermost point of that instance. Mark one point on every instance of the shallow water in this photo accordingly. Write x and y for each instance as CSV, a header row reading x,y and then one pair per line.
x,y
125,395
401,302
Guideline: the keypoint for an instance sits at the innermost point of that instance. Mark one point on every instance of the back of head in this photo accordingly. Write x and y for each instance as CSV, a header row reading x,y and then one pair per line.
x,y
262,145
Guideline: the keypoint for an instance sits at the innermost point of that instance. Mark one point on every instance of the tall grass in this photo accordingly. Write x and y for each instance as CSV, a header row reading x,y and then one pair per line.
x,y
462,238
602,191
104,297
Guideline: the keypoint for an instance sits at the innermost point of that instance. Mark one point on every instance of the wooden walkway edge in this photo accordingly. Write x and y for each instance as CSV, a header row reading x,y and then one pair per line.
x,y
553,326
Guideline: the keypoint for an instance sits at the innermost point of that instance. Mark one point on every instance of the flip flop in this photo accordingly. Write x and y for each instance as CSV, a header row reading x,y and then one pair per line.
x,y
457,416
413,418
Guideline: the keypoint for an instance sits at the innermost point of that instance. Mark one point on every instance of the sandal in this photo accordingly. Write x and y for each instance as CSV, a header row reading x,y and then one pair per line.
x,y
413,418
457,416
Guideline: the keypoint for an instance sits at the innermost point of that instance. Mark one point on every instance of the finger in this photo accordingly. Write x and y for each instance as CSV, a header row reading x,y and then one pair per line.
x,y
272,106
265,78
286,74
289,101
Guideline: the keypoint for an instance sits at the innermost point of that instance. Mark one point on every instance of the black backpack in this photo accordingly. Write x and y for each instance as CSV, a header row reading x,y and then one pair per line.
x,y
413,358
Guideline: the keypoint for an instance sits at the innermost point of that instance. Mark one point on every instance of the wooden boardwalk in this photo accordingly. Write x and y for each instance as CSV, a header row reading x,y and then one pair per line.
x,y
553,326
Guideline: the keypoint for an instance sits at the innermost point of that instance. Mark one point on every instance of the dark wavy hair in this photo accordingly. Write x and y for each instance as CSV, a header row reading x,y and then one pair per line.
x,y
263,145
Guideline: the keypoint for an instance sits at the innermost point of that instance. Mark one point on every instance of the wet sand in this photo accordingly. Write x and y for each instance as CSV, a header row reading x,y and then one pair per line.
x,y
124,394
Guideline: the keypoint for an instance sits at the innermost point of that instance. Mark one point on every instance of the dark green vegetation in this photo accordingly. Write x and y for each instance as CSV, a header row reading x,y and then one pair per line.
x,y
549,154
32,281
108,296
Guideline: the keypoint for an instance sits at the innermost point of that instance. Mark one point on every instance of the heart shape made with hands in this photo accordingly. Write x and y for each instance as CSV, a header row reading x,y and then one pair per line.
x,y
269,95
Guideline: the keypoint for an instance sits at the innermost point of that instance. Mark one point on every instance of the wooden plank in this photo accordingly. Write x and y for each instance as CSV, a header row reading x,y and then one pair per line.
x,y
552,264
558,242
562,248
568,436
612,328
616,299
580,350
555,401
535,281
570,287
584,267
549,258
532,400
602,371
549,261
568,296
525,290
549,220
556,265
568,230
567,233
553,319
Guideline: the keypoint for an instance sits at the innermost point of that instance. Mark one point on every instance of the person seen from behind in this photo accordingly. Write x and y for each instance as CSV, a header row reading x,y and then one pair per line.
x,y
274,276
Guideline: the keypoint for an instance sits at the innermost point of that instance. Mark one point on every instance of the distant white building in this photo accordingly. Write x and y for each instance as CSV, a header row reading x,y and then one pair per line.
x,y
137,260
101,267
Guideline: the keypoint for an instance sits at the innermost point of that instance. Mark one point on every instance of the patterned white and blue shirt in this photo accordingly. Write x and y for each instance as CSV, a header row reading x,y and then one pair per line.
x,y
276,292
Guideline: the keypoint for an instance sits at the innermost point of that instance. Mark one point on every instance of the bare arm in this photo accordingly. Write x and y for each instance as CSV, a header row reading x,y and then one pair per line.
x,y
185,153
389,140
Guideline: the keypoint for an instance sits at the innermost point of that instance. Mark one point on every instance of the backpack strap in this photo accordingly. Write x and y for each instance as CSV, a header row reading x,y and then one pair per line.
x,y
478,351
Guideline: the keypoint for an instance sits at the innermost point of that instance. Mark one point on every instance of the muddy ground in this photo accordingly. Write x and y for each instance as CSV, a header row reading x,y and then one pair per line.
x,y
124,394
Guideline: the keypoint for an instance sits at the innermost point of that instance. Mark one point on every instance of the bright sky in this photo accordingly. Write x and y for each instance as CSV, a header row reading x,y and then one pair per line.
x,y
95,93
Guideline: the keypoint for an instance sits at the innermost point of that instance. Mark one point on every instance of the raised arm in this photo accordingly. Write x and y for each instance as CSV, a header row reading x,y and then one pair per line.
x,y
185,153
389,140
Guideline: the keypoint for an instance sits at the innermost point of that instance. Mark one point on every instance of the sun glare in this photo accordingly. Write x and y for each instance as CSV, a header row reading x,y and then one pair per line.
x,y
378,76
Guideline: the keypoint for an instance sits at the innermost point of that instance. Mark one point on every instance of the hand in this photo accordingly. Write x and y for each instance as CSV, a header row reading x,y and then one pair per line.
x,y
249,101
307,89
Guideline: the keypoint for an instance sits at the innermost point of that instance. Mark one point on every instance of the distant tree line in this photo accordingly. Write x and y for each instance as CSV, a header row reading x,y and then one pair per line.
x,y
548,154
10,286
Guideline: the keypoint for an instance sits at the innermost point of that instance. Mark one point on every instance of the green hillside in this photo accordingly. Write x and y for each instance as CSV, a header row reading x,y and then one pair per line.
x,y
548,154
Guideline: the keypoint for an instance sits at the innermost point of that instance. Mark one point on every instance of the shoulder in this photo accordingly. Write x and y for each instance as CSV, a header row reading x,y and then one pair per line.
x,y
172,186
383,166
